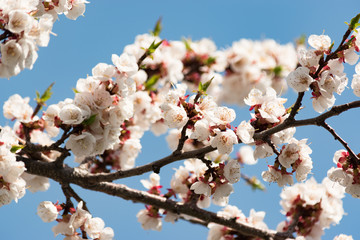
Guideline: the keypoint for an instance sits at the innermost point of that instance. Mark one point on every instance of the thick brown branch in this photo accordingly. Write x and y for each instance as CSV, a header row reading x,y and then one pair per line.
x,y
71,175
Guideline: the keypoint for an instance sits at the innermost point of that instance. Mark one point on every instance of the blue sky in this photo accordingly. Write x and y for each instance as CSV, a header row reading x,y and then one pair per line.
x,y
110,25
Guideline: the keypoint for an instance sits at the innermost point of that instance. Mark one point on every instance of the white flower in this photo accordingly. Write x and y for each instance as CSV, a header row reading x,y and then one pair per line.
x,y
319,42
171,217
72,114
340,176
35,183
215,231
5,197
175,117
271,175
79,217
289,155
263,151
201,131
355,84
18,107
19,21
130,150
272,109
103,71
321,103
94,226
275,175
200,187
222,191
63,228
126,63
77,9
353,190
51,112
308,58
304,168
107,234
148,222
232,171
246,155
255,97
178,180
11,53
224,141
245,131
81,145
47,211
299,79
223,115
343,237
154,181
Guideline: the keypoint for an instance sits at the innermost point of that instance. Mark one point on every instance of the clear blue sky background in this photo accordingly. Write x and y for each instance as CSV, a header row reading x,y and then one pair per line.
x,y
110,25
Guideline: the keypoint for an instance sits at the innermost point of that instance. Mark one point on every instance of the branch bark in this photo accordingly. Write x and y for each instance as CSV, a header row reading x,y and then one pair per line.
x,y
74,176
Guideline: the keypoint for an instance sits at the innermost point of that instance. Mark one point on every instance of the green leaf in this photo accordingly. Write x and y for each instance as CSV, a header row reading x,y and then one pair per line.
x,y
210,61
187,44
277,70
206,85
354,21
75,91
256,184
301,40
15,148
152,81
201,88
157,28
45,96
153,47
90,120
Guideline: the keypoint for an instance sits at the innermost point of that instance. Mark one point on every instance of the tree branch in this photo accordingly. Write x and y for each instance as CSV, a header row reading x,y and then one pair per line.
x,y
153,166
296,107
354,159
334,111
69,192
71,175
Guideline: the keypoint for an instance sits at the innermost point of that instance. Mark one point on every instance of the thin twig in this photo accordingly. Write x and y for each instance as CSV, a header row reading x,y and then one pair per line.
x,y
272,145
296,107
354,159
153,166
69,192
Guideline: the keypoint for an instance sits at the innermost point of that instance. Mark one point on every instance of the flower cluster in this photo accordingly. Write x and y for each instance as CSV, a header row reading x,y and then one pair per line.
x,y
218,232
269,111
355,84
206,181
313,205
346,173
150,217
12,185
247,64
73,220
256,64
101,104
324,77
26,25
296,155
